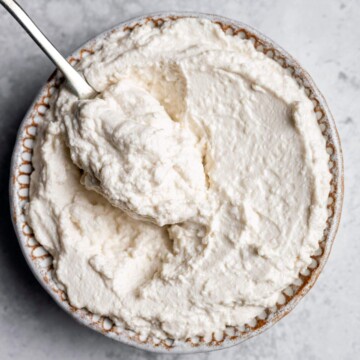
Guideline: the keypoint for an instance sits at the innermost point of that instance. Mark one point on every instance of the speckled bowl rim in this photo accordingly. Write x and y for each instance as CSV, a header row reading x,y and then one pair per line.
x,y
36,257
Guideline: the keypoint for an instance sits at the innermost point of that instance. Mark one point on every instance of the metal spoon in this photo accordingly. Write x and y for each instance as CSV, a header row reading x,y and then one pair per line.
x,y
77,83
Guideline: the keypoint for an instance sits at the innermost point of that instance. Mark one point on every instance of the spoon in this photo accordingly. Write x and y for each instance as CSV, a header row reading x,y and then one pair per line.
x,y
77,83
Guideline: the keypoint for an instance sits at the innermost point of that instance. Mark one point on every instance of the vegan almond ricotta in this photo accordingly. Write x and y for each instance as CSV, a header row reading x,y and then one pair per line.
x,y
190,192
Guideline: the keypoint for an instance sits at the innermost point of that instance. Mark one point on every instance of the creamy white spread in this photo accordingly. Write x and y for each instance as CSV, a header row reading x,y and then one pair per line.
x,y
210,176
134,154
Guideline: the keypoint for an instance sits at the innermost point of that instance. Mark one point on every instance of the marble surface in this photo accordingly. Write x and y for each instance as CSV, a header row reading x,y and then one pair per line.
x,y
324,36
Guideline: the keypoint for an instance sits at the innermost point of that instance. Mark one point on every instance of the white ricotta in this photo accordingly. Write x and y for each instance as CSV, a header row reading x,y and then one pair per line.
x,y
135,155
196,129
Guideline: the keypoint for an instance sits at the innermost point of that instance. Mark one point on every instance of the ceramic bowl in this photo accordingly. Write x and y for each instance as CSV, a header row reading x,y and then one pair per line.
x,y
40,261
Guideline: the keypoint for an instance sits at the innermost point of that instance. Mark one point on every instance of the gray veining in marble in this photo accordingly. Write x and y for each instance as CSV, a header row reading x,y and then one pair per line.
x,y
324,36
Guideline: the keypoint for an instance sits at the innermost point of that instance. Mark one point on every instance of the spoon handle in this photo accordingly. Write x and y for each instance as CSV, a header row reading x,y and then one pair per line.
x,y
78,84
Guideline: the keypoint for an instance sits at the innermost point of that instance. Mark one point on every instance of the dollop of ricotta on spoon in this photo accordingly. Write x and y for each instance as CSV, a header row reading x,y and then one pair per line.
x,y
136,156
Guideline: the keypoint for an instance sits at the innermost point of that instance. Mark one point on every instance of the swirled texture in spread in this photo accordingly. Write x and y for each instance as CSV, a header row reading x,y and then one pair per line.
x,y
195,129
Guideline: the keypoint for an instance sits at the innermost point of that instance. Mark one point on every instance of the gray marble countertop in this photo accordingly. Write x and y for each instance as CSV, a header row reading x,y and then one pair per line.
x,y
324,36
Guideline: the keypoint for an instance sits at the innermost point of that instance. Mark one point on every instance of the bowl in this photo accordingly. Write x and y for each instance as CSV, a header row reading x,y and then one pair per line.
x,y
40,261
